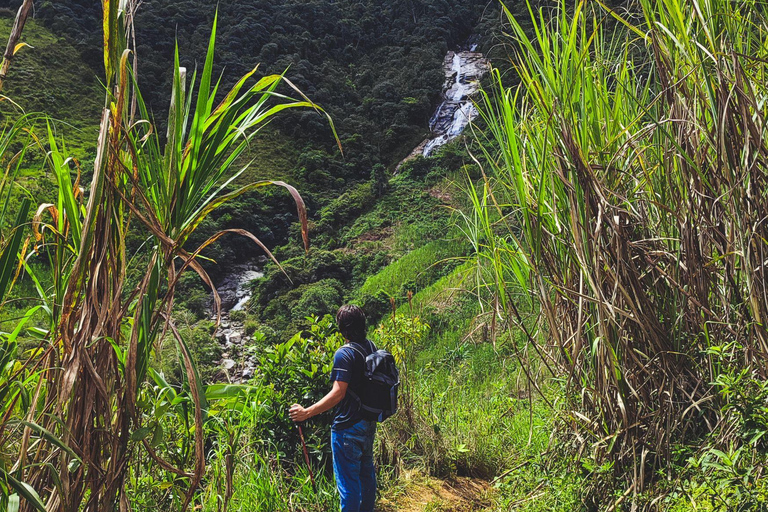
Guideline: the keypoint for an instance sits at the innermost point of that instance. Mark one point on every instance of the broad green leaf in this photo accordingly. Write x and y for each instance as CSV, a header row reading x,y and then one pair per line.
x,y
26,491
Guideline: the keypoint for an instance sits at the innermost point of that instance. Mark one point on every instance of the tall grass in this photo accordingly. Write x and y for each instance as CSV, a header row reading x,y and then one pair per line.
x,y
80,423
12,252
413,269
626,190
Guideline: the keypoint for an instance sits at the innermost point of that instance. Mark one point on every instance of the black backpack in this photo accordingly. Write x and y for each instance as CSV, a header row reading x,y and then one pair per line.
x,y
378,396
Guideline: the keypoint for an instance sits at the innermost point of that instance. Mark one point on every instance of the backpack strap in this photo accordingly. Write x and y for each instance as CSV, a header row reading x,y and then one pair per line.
x,y
355,349
350,391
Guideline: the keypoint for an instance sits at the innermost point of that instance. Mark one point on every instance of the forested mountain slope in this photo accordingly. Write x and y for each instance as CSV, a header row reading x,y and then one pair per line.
x,y
377,70
374,66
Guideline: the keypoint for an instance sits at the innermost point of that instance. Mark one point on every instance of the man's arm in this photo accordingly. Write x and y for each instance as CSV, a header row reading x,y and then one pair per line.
x,y
334,396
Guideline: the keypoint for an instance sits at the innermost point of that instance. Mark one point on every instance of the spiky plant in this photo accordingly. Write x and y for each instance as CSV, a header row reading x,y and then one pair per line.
x,y
626,191
103,328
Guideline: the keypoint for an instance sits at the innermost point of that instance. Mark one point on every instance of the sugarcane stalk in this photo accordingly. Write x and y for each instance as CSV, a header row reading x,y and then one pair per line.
x,y
13,40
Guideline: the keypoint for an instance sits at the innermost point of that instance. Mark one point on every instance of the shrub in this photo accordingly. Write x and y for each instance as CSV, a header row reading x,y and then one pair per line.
x,y
198,302
319,299
375,305
297,371
251,326
237,315
347,207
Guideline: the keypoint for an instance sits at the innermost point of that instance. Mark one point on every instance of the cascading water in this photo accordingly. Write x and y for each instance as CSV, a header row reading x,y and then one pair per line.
x,y
234,288
243,291
463,71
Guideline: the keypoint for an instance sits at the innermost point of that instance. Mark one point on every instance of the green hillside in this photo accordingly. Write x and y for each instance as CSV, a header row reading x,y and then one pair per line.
x,y
375,67
50,77
574,290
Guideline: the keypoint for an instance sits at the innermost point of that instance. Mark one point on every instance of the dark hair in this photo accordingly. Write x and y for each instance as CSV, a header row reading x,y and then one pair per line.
x,y
351,322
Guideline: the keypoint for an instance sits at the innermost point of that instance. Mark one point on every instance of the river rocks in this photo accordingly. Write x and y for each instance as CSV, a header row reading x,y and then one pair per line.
x,y
234,287
237,363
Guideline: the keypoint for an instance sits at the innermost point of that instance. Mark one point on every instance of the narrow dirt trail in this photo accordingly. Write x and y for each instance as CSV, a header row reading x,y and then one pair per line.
x,y
426,494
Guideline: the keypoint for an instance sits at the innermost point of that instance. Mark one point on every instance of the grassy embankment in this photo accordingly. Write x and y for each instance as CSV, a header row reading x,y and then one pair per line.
x,y
626,193
468,414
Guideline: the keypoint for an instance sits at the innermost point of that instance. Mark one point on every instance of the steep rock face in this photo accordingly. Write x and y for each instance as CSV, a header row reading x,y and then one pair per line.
x,y
233,286
463,71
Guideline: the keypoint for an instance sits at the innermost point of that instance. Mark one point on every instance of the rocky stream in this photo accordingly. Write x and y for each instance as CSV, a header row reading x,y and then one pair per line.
x,y
237,364
463,70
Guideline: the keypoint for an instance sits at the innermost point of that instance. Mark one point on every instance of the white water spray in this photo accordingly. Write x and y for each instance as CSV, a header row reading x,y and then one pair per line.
x,y
463,73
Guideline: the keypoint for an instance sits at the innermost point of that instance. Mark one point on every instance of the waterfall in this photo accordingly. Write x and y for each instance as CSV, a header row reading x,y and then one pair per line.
x,y
463,71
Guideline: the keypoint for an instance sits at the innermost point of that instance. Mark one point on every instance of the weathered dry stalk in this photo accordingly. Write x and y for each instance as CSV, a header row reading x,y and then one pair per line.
x,y
91,394
642,216
91,388
13,39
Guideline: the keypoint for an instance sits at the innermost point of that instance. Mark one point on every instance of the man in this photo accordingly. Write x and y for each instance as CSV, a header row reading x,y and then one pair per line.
x,y
351,432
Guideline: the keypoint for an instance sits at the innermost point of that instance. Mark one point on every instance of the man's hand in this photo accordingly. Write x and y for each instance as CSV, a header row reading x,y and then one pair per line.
x,y
298,413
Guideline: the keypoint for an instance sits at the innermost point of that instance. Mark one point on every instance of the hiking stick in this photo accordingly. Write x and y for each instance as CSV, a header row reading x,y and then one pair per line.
x,y
306,458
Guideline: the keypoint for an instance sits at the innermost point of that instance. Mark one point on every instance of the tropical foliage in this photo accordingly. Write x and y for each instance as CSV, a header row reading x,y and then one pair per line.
x,y
626,193
77,405
376,67
603,346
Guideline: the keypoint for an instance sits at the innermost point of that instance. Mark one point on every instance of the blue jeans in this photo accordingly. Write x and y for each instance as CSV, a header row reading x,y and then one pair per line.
x,y
353,466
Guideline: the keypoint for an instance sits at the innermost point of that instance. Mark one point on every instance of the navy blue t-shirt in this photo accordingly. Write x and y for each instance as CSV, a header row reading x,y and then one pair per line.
x,y
349,366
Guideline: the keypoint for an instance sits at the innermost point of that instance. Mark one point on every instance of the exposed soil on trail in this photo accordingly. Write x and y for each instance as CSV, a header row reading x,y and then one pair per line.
x,y
425,494
376,235
442,194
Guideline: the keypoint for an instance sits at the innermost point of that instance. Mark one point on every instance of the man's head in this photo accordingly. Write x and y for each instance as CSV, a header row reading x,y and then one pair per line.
x,y
351,322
